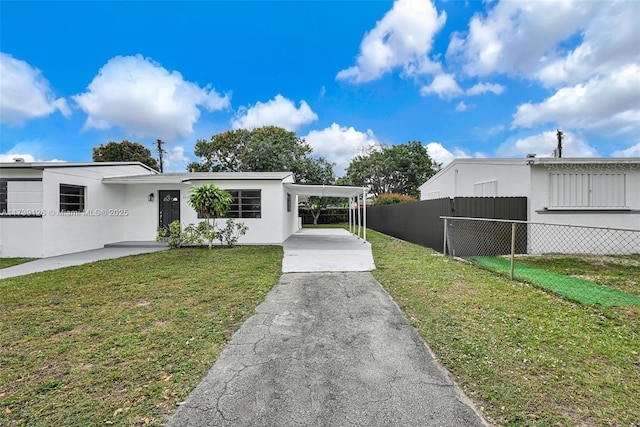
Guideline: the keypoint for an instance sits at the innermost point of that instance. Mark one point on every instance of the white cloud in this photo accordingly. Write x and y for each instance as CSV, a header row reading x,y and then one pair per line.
x,y
514,36
279,111
543,145
339,144
11,157
537,39
145,99
25,93
633,151
485,87
402,38
444,85
442,155
461,106
607,104
28,158
175,160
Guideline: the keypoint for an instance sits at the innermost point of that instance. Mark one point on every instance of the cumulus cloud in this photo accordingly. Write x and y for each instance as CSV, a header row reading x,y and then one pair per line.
x,y
633,151
606,104
444,85
24,93
543,145
442,155
339,144
175,160
145,99
11,157
481,88
513,37
402,38
531,39
279,111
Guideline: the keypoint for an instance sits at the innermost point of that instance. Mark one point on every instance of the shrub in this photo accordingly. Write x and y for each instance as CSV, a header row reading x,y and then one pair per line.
x,y
231,232
392,198
172,236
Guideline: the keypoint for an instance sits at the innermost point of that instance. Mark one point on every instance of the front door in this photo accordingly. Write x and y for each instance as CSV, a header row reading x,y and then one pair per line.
x,y
169,206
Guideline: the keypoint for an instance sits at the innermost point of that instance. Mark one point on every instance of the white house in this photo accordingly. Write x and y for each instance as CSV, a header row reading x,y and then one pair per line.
x,y
596,192
49,209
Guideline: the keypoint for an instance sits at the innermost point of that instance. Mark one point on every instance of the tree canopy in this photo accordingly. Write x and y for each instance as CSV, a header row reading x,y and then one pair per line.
x,y
124,151
392,169
265,149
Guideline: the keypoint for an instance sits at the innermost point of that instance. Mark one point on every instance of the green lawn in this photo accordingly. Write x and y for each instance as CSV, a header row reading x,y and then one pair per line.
x,y
525,356
121,342
9,262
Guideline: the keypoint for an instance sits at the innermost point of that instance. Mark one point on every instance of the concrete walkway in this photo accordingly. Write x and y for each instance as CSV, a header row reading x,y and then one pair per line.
x,y
116,250
326,349
326,249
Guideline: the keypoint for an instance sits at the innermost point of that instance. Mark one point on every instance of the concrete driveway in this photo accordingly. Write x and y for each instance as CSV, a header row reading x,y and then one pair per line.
x,y
326,349
326,249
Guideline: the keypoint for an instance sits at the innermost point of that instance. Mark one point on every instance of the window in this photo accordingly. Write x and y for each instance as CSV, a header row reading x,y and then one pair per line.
x,y
288,202
72,198
587,190
246,204
486,188
3,196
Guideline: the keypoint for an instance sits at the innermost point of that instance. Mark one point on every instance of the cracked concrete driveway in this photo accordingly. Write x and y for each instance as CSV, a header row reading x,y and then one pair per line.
x,y
327,349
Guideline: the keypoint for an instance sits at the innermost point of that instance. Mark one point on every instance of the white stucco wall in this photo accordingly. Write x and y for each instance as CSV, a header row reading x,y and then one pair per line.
x,y
142,220
459,179
21,237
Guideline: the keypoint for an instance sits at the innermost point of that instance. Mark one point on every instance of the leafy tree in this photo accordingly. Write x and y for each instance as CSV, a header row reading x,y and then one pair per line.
x,y
124,151
265,149
210,202
392,169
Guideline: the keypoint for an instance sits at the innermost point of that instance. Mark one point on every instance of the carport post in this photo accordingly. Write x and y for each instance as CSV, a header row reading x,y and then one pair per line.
x,y
364,213
359,220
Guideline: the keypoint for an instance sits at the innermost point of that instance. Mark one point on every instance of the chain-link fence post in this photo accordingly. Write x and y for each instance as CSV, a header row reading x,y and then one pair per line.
x,y
513,247
444,244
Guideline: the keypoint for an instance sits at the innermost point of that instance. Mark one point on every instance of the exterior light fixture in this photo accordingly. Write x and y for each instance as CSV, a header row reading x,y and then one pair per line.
x,y
150,197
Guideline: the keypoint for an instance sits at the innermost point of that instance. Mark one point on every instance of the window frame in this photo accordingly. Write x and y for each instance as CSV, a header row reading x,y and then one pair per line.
x,y
82,197
583,190
239,200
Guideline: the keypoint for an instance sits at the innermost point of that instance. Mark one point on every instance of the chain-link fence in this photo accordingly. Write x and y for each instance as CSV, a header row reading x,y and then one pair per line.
x,y
592,265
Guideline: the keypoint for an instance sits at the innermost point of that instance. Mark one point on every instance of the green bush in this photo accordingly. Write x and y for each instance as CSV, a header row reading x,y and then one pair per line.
x,y
392,198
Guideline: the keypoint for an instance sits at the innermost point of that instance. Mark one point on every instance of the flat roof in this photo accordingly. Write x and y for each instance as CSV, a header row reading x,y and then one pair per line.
x,y
190,177
325,190
49,165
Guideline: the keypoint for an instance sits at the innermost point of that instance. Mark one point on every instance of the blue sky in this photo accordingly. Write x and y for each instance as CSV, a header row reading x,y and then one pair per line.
x,y
467,79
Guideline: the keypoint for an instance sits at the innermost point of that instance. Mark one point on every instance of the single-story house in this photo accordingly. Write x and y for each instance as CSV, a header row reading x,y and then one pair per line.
x,y
54,208
594,192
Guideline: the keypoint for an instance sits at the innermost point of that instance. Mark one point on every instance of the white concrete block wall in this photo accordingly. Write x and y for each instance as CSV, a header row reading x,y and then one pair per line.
x,y
21,237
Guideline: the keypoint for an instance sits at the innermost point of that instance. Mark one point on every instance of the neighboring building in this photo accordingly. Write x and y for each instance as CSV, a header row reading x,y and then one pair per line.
x,y
597,192
49,209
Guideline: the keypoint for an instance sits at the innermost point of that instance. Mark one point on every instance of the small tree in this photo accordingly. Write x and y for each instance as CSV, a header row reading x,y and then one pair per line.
x,y
211,202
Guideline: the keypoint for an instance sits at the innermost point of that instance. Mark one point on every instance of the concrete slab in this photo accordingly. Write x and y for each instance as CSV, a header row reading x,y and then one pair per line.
x,y
326,249
78,258
327,349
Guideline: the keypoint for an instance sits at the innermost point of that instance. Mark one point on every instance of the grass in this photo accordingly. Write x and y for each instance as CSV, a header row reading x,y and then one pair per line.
x,y
571,287
121,342
525,356
10,262
618,271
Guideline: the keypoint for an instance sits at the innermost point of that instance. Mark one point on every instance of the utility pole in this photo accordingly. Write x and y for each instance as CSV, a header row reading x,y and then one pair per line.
x,y
161,151
559,134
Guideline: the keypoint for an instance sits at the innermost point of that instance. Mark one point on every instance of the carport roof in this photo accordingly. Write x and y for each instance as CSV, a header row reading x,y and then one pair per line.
x,y
325,190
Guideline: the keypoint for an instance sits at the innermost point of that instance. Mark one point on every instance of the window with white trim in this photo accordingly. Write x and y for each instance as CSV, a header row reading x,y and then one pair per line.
x,y
246,204
72,198
587,190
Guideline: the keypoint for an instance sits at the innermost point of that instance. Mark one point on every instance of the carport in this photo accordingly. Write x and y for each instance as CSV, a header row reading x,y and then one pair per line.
x,y
357,202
